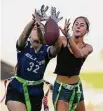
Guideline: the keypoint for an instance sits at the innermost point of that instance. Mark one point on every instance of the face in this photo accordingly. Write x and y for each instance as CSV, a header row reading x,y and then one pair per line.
x,y
34,36
79,28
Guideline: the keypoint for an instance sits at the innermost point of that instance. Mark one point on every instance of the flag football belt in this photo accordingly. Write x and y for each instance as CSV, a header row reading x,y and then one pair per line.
x,y
25,89
69,87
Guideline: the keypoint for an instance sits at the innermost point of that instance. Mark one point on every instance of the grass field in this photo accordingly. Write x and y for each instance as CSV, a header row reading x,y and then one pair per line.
x,y
96,79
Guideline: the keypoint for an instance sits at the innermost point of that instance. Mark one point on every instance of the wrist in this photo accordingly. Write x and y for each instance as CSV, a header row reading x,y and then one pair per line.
x,y
68,36
33,20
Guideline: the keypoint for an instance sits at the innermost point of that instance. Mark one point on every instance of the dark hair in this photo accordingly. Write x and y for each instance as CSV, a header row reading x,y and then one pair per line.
x,y
86,21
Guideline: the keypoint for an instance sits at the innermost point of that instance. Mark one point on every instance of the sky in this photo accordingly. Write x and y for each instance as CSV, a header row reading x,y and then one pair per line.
x,y
15,14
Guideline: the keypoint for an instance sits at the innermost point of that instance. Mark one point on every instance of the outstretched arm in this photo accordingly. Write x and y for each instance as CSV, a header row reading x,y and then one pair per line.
x,y
25,34
57,46
41,15
78,52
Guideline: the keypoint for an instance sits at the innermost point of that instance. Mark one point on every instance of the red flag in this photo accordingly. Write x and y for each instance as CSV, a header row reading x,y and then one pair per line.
x,y
45,101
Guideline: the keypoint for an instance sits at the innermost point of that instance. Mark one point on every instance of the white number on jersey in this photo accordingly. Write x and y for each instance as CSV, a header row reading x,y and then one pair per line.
x,y
31,67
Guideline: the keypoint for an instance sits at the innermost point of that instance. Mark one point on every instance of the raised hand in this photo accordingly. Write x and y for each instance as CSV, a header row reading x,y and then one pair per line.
x,y
55,15
42,13
65,30
36,18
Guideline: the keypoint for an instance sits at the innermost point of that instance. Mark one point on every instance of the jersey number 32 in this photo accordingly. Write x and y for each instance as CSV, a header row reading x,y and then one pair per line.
x,y
31,67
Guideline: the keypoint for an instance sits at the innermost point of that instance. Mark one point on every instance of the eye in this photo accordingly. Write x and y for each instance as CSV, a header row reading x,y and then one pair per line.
x,y
82,25
76,24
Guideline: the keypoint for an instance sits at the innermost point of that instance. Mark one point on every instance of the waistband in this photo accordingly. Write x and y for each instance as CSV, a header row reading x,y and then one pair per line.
x,y
69,86
23,81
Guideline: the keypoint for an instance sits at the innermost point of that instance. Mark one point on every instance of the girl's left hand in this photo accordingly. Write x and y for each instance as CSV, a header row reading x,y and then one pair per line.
x,y
65,30
55,15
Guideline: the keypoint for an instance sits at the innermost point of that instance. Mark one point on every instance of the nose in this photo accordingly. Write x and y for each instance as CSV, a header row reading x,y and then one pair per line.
x,y
78,26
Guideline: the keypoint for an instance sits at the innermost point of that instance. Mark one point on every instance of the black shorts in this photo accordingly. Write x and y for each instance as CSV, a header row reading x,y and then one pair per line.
x,y
14,95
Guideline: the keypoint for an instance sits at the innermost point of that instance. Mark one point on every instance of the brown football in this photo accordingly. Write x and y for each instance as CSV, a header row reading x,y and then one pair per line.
x,y
51,32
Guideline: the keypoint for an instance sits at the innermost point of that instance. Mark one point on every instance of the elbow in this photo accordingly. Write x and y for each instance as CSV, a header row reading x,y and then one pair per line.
x,y
79,55
54,51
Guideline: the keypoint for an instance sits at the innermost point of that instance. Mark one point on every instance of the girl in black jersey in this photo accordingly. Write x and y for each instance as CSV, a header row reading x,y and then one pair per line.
x,y
68,92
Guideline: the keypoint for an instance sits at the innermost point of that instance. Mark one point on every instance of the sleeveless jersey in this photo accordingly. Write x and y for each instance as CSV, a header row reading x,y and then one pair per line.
x,y
31,66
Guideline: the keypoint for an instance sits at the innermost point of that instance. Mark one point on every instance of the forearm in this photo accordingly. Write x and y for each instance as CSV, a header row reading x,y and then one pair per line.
x,y
40,35
56,47
75,49
25,34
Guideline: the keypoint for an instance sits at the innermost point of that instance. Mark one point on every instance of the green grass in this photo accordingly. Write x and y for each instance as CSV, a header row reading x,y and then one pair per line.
x,y
96,79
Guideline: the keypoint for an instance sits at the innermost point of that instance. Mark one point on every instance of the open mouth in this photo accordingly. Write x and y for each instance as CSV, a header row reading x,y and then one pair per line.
x,y
77,31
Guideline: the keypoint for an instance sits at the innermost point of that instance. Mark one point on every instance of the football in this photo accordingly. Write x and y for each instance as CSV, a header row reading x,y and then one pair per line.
x,y
51,32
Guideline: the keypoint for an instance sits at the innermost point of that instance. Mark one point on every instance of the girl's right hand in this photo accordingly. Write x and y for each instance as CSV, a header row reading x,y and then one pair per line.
x,y
42,13
36,18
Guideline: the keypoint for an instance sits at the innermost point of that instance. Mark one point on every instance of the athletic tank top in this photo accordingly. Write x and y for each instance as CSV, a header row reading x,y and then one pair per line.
x,y
67,63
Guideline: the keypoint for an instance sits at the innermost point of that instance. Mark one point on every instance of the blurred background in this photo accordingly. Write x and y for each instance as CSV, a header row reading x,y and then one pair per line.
x,y
15,14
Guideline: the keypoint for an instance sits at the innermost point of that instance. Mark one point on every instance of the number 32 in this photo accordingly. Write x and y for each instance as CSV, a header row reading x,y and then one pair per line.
x,y
31,67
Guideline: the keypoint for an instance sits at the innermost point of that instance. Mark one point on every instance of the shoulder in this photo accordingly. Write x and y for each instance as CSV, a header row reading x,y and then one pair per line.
x,y
22,48
46,47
